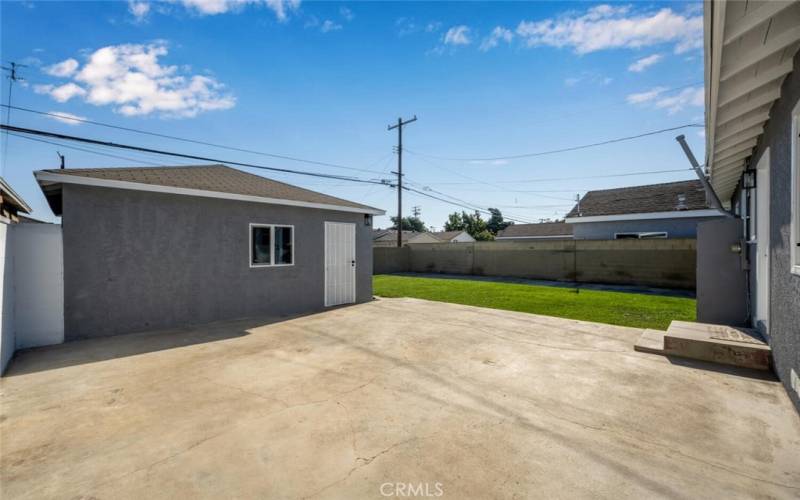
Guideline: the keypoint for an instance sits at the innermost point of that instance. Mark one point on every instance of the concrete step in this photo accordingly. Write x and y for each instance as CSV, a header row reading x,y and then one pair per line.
x,y
651,341
717,343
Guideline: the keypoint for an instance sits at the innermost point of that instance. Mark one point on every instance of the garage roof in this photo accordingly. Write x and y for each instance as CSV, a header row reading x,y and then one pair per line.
x,y
749,50
214,181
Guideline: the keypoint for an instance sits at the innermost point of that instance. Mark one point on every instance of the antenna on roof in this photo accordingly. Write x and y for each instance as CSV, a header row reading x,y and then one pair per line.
x,y
578,200
60,157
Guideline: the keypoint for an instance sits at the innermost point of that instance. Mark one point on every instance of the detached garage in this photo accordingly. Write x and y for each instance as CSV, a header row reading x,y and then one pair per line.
x,y
160,247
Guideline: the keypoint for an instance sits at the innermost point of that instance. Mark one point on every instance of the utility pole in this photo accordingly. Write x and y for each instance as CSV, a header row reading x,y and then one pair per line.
x,y
399,127
12,78
416,210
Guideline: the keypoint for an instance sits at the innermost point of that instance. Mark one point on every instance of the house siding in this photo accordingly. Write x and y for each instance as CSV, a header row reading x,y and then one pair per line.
x,y
675,228
784,287
137,261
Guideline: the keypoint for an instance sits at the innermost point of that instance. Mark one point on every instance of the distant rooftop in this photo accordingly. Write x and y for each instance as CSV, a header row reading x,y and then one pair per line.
x,y
541,230
667,197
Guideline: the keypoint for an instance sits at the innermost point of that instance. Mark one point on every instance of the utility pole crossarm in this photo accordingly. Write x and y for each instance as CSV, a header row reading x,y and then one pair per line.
x,y
399,127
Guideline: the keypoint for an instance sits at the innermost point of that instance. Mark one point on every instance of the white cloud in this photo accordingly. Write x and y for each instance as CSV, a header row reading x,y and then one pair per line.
x,y
281,8
67,118
610,27
457,35
346,13
692,96
644,63
63,69
131,79
646,96
588,77
138,10
433,26
61,93
497,35
329,25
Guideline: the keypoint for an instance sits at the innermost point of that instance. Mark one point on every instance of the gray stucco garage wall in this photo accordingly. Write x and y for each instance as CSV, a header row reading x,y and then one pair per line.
x,y
784,311
136,261
675,228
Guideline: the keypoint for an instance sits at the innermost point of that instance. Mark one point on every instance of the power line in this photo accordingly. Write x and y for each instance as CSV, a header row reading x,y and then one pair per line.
x,y
86,140
76,148
183,139
553,179
12,79
482,210
563,150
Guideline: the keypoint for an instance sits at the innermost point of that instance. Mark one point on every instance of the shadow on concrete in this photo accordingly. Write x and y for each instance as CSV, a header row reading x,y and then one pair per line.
x,y
79,352
665,292
735,371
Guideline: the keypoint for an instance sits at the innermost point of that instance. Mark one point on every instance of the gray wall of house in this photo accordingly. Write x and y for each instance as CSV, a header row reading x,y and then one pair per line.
x,y
137,261
675,228
784,287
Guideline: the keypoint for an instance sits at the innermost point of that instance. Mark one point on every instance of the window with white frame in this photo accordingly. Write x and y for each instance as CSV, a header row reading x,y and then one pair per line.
x,y
795,192
271,245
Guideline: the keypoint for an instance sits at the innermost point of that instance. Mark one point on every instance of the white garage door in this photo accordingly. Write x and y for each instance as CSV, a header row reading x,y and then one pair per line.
x,y
340,263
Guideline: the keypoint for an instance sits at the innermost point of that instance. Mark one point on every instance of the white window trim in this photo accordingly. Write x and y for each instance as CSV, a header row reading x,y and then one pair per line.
x,y
794,209
640,233
271,244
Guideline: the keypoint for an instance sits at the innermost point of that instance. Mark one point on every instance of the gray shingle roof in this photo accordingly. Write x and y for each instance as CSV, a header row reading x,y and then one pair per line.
x,y
667,197
391,234
543,229
446,235
216,178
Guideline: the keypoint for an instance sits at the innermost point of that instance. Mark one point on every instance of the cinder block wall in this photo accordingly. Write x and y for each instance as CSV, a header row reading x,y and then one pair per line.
x,y
659,263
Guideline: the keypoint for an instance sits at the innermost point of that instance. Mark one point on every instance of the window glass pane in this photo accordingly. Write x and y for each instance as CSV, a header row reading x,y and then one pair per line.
x,y
283,245
260,250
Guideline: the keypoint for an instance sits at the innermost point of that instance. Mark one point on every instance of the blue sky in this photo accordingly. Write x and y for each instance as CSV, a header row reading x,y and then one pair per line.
x,y
323,80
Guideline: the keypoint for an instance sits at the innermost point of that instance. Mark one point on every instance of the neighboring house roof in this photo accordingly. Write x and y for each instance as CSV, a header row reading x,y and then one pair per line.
x,y
668,197
446,235
749,50
391,235
541,230
10,198
214,181
31,220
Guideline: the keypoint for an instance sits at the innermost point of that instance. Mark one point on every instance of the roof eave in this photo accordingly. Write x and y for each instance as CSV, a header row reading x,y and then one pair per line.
x,y
50,180
14,198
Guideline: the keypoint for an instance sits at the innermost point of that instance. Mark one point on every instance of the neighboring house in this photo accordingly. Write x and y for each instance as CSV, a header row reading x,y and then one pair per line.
x,y
163,247
388,237
752,85
442,237
541,231
669,210
11,208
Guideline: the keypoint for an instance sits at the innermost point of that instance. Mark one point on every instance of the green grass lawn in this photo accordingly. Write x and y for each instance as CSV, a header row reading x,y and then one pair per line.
x,y
615,308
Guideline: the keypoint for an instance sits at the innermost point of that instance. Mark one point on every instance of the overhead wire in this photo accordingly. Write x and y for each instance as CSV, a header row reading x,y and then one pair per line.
x,y
554,151
28,131
183,139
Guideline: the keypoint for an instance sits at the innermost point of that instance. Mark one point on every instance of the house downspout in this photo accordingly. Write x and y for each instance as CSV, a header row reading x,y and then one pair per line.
x,y
711,195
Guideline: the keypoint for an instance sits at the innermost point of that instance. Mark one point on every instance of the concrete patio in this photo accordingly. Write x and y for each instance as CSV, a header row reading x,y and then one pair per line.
x,y
484,403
